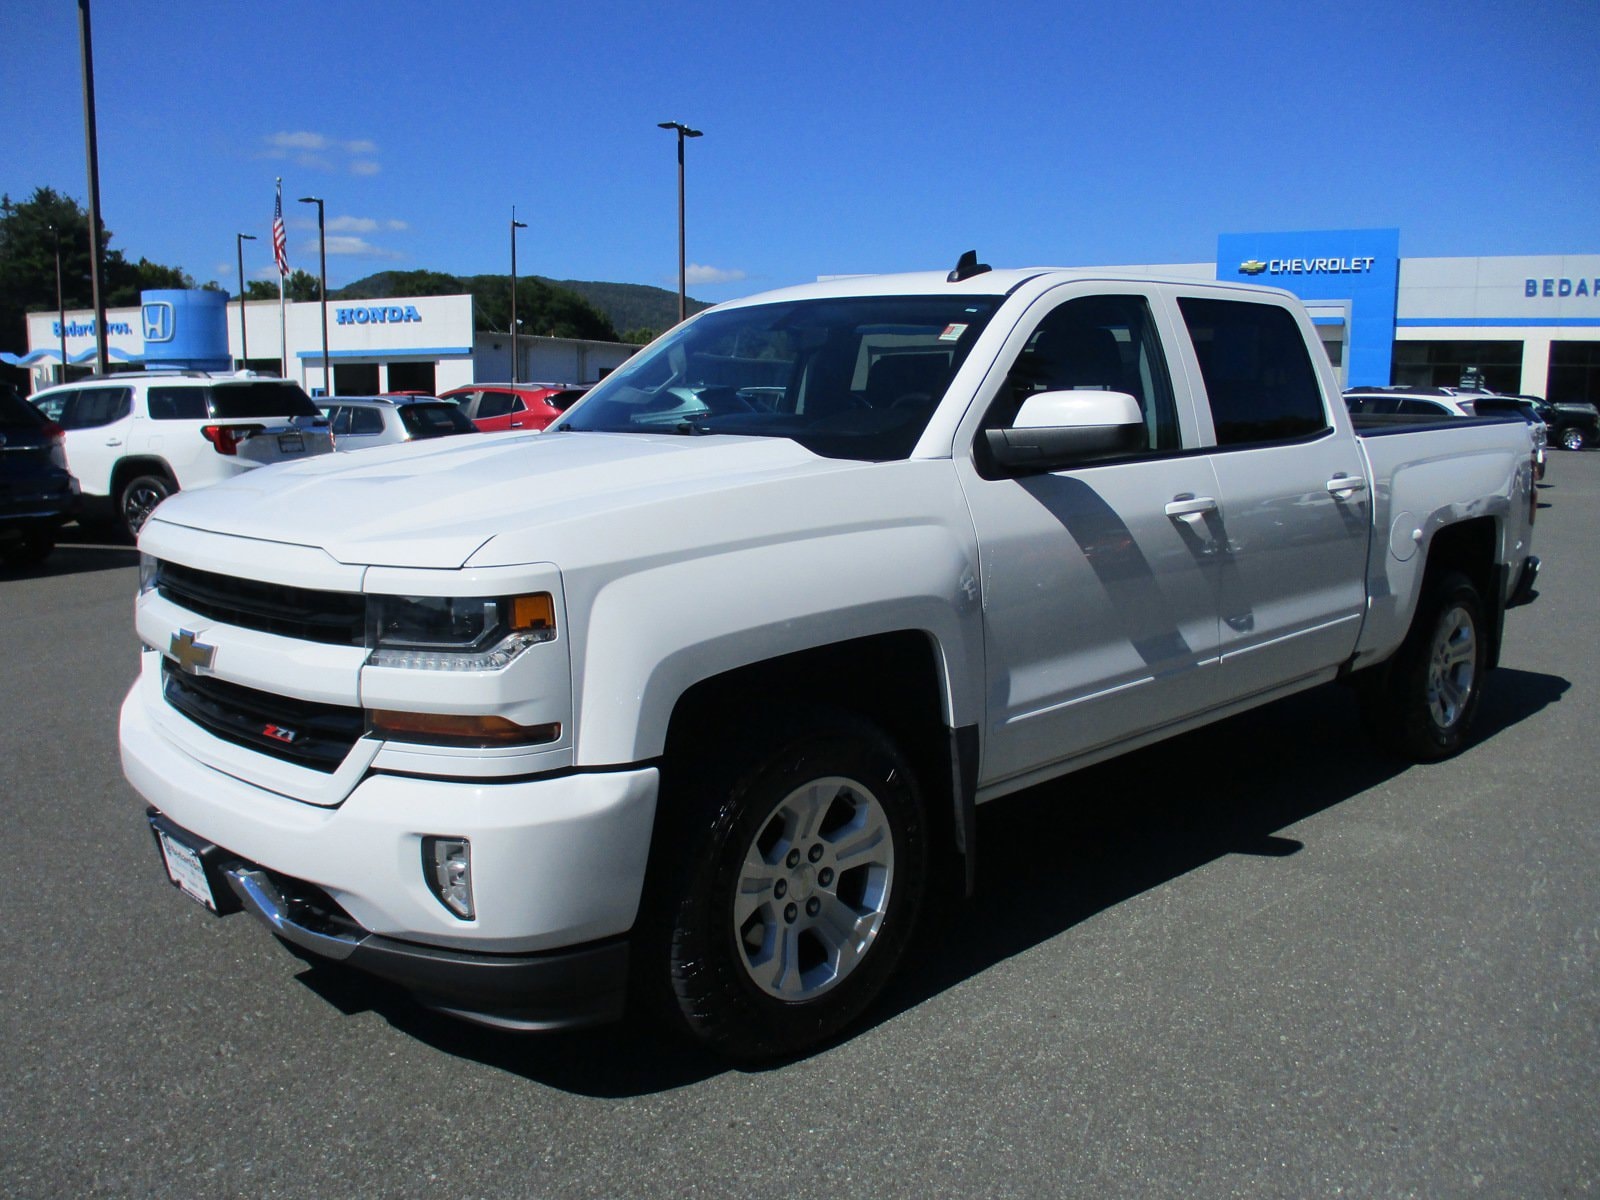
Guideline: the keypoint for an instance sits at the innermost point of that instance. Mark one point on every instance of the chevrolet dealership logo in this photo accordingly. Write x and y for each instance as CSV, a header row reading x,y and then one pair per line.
x,y
191,656
1252,266
157,320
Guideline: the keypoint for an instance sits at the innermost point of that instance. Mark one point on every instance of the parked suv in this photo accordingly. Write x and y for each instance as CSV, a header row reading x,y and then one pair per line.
x,y
496,406
1411,402
361,421
134,439
36,492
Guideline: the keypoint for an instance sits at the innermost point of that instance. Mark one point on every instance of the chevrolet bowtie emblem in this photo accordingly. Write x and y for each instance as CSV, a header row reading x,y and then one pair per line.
x,y
191,656
1252,266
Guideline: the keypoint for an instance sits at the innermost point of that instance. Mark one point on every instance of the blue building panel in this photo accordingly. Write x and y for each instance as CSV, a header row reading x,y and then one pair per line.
x,y
1358,265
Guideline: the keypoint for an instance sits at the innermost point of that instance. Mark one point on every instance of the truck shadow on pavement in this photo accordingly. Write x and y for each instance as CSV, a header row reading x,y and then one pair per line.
x,y
1049,858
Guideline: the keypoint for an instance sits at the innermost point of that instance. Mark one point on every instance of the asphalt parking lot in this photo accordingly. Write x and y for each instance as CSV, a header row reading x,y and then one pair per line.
x,y
1260,960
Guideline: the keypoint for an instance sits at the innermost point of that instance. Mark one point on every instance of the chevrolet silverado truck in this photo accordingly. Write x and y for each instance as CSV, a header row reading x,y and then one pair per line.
x,y
689,701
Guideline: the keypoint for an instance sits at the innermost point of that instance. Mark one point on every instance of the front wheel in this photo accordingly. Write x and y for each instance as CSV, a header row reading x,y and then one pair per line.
x,y
1572,438
139,498
1421,705
793,885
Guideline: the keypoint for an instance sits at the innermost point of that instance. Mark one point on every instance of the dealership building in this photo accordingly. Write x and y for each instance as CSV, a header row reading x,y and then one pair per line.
x,y
418,343
1522,324
1525,324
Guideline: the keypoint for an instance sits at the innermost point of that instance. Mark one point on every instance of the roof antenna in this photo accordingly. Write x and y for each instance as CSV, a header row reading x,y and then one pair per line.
x,y
967,267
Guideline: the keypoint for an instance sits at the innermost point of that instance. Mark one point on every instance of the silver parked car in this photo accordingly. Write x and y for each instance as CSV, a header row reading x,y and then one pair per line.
x,y
361,421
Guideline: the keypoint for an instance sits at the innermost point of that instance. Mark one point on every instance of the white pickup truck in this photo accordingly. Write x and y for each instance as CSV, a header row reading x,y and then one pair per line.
x,y
691,699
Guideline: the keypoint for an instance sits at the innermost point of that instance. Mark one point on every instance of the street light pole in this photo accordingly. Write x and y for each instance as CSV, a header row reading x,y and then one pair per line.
x,y
322,288
515,225
683,132
239,239
92,154
61,307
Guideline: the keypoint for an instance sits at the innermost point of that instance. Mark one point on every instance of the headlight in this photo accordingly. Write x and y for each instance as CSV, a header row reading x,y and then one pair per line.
x,y
149,573
437,633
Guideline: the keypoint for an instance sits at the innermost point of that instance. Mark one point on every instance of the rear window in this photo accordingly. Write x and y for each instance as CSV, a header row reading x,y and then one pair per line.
x,y
1258,375
275,398
434,420
563,400
18,414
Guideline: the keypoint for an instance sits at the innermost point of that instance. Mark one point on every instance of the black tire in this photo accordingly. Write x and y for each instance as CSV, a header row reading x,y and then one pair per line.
x,y
1572,438
1422,702
138,498
715,952
28,550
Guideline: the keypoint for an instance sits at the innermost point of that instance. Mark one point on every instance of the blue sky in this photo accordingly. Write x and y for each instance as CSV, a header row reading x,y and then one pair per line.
x,y
839,137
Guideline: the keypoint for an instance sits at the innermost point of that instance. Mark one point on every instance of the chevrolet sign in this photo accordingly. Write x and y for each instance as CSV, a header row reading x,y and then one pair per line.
x,y
1308,266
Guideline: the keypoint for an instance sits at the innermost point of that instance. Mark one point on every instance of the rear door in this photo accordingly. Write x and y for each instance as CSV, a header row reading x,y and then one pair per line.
x,y
96,421
1292,487
498,410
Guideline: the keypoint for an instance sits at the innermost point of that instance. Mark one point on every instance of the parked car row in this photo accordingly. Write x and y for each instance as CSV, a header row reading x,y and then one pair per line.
x,y
108,449
1572,425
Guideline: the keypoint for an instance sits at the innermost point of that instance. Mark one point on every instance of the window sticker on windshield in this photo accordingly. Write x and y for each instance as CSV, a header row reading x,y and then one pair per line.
x,y
952,333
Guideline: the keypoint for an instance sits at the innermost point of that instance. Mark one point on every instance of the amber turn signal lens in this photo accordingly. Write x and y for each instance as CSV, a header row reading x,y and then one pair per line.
x,y
457,730
536,611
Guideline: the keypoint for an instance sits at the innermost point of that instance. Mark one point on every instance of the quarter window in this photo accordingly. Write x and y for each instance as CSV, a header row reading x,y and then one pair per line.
x,y
1259,379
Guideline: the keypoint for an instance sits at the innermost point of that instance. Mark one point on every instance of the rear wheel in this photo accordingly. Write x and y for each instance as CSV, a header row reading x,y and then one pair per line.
x,y
790,887
138,500
1572,438
1421,705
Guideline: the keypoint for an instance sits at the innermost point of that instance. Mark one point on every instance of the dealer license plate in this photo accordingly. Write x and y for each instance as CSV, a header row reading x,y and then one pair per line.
x,y
291,443
184,869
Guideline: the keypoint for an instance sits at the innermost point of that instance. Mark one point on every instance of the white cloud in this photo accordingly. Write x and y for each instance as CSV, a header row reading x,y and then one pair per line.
x,y
302,140
352,225
698,273
397,226
364,167
361,147
359,247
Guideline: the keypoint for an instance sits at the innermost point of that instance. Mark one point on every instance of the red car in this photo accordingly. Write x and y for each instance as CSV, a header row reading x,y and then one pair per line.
x,y
497,406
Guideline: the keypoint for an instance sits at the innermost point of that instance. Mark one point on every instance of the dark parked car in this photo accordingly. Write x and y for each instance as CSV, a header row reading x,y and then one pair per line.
x,y
1572,424
37,493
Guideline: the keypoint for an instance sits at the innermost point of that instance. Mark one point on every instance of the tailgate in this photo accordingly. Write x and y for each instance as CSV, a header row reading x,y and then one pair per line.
x,y
285,440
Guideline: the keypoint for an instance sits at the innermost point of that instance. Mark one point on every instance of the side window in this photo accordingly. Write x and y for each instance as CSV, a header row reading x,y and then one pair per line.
x,y
177,404
1423,408
340,415
494,404
1258,374
93,407
1095,343
365,421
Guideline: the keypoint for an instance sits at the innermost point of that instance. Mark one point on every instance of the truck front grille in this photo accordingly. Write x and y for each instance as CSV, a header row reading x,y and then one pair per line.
x,y
334,618
298,731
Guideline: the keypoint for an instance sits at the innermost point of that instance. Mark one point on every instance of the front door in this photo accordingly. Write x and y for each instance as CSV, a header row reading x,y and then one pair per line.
x,y
1100,583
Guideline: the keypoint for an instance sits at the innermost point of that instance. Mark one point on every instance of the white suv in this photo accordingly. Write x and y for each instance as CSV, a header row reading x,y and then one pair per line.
x,y
134,439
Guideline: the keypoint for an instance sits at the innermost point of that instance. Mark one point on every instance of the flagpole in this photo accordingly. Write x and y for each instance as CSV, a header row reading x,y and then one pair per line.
x,y
283,325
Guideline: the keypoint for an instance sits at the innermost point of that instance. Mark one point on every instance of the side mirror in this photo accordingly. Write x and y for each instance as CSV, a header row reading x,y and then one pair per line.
x,y
1059,429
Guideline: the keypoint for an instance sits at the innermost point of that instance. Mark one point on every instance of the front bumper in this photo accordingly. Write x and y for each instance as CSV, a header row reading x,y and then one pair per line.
x,y
558,865
561,989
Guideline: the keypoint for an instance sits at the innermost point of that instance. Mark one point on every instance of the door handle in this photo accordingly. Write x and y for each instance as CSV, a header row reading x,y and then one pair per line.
x,y
1342,486
113,441
1191,506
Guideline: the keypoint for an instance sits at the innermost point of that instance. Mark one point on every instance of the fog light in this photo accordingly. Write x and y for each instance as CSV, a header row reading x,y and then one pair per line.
x,y
447,868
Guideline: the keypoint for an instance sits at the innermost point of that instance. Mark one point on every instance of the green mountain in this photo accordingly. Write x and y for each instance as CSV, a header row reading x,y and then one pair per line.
x,y
627,308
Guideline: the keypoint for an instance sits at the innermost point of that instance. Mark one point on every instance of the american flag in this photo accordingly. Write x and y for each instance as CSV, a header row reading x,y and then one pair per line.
x,y
280,239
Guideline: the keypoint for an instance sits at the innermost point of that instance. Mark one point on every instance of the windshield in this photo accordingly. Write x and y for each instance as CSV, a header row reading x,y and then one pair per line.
x,y
434,420
851,377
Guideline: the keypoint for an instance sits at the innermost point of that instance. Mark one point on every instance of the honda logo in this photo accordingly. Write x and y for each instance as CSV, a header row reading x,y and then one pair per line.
x,y
158,322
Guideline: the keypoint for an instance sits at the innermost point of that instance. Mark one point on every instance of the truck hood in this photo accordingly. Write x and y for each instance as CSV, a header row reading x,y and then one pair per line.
x,y
436,504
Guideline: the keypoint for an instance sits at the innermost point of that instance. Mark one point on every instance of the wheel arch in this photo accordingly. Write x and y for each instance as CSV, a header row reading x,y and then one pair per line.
x,y
140,464
1470,547
896,680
